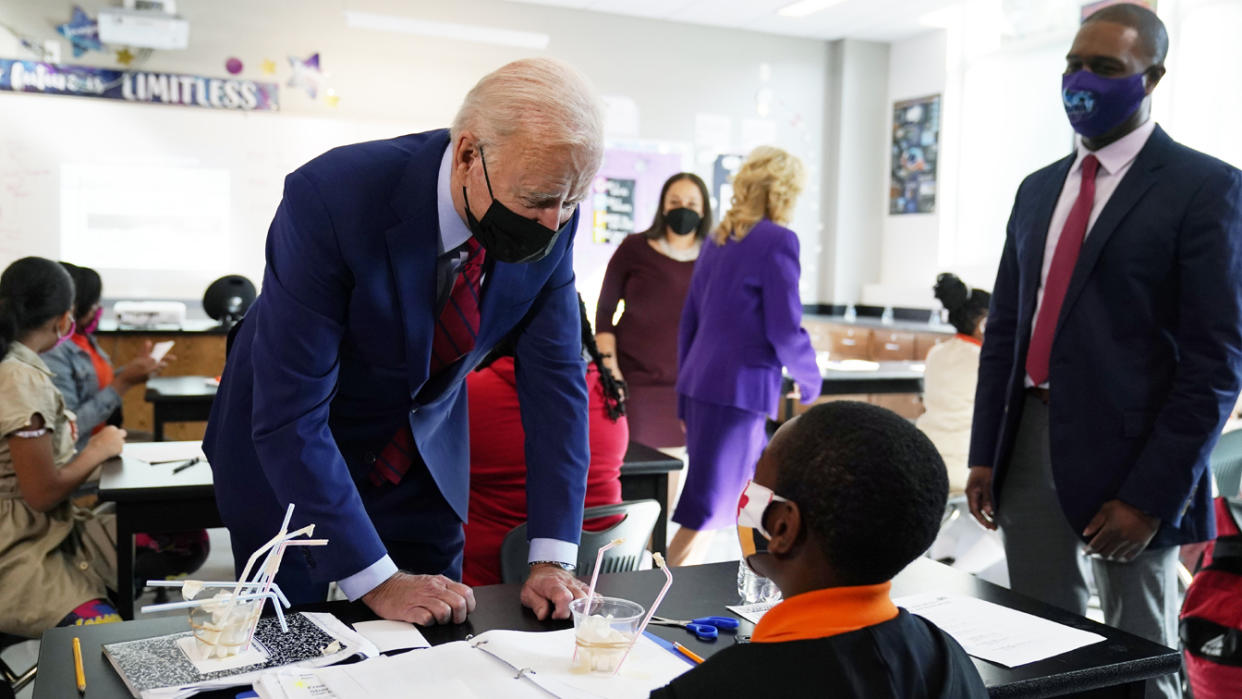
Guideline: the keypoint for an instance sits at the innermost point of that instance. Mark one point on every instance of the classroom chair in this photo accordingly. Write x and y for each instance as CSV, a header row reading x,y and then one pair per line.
x,y
636,528
12,682
1226,463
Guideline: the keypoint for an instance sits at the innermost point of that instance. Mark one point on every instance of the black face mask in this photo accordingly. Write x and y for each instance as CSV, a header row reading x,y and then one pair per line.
x,y
508,236
682,221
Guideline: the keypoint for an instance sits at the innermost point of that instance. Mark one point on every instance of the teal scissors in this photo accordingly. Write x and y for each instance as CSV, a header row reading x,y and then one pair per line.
x,y
706,628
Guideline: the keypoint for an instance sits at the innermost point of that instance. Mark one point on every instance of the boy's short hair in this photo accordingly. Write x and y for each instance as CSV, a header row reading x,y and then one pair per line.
x,y
869,485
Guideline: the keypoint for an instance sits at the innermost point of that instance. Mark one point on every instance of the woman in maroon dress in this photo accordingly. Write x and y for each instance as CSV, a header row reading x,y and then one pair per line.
x,y
650,273
498,457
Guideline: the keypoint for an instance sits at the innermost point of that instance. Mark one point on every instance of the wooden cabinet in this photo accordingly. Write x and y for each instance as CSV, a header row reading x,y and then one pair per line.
x,y
924,342
849,342
197,353
892,346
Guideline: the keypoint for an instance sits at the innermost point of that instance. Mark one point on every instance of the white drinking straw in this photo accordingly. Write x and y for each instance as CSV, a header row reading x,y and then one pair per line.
x,y
599,560
668,582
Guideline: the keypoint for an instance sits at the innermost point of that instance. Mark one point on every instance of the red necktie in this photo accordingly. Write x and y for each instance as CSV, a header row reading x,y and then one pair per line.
x,y
456,329
1059,274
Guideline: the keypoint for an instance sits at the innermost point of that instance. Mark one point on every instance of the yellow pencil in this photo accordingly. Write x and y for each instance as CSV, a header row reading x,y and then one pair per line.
x,y
688,653
77,665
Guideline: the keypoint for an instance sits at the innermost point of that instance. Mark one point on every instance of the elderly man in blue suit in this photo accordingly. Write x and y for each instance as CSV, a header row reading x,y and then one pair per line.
x,y
392,268
1113,347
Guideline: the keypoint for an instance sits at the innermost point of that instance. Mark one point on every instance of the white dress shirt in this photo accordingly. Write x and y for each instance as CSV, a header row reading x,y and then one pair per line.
x,y
1115,161
453,235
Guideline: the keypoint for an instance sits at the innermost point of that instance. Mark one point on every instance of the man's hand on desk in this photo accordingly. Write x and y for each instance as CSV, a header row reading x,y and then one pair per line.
x,y
550,588
421,599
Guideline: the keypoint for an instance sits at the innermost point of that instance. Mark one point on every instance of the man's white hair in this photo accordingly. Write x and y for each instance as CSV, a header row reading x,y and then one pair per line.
x,y
544,99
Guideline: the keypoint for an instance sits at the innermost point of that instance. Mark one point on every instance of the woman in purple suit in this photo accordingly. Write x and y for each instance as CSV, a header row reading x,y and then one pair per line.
x,y
742,322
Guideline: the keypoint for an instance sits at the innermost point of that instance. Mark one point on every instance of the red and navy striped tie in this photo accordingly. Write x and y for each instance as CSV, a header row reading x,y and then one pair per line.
x,y
456,330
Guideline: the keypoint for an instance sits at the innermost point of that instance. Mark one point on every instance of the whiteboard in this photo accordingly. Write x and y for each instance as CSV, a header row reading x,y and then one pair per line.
x,y
164,199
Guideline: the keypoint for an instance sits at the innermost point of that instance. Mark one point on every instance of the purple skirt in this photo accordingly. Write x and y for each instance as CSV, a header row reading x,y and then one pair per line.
x,y
723,445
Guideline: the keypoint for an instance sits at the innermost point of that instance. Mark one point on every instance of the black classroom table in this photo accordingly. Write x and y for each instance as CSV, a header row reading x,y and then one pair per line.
x,y
179,399
1116,667
153,499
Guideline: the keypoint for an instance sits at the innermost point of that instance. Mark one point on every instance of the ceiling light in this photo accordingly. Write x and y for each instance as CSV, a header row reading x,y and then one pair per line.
x,y
803,8
445,30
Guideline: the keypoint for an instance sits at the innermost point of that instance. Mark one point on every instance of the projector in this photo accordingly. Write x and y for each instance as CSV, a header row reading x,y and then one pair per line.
x,y
147,314
148,29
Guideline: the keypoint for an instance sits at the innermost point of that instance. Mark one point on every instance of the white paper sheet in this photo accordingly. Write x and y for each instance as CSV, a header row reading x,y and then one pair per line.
x,y
491,673
160,349
391,635
998,634
752,612
164,451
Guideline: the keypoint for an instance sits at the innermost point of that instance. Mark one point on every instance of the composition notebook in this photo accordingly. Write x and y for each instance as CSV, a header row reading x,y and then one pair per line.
x,y
506,664
157,667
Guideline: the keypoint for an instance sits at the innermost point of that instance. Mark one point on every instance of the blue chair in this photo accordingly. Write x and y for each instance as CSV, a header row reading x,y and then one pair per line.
x,y
636,528
1226,463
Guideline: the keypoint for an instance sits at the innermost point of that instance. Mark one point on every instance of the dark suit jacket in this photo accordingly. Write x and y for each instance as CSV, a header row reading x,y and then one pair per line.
x,y
1146,358
334,356
906,657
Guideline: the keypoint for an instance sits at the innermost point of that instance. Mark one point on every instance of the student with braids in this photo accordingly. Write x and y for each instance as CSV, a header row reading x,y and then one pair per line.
x,y
56,560
951,375
498,460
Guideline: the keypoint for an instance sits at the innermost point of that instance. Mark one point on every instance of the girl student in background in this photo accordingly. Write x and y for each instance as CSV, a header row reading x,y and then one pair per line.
x,y
56,559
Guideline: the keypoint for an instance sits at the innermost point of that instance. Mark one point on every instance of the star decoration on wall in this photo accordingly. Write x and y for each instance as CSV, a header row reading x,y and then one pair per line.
x,y
124,57
306,74
82,32
268,67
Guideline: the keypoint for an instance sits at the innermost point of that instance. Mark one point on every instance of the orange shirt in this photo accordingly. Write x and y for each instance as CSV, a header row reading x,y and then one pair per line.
x,y
826,612
103,370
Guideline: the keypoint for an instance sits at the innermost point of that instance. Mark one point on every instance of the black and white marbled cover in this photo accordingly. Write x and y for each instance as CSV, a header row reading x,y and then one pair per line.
x,y
152,663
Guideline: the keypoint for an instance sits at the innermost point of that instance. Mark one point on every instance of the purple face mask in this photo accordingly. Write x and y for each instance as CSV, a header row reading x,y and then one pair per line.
x,y
62,339
1097,105
92,326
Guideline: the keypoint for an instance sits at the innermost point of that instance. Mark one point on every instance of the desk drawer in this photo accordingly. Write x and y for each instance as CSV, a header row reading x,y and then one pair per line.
x,y
848,342
892,346
821,334
924,342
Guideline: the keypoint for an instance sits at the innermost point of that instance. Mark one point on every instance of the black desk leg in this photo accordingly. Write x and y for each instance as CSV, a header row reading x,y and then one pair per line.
x,y
159,418
659,535
124,563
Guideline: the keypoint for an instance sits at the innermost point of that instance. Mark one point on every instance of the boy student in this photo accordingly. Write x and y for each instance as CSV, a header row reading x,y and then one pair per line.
x,y
843,498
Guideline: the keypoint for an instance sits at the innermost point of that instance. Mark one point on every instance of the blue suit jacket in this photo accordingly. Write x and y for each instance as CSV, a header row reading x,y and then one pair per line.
x,y
334,356
1148,349
743,321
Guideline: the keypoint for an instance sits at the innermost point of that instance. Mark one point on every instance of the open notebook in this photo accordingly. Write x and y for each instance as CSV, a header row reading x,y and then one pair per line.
x,y
503,664
158,667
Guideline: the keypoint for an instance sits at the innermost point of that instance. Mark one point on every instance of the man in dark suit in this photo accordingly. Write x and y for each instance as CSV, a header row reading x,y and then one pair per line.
x,y
392,268
1113,347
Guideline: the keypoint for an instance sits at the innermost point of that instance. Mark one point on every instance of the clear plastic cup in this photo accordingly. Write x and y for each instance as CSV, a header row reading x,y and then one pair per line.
x,y
222,627
604,632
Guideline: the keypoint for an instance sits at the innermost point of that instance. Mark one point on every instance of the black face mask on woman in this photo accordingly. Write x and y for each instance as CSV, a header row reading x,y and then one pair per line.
x,y
682,221
506,235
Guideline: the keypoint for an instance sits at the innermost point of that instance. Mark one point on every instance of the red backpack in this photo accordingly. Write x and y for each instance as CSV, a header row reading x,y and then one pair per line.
x,y
1211,619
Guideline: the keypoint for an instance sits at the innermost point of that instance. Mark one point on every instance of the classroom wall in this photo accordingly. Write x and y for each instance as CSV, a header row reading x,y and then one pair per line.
x,y
763,87
1000,68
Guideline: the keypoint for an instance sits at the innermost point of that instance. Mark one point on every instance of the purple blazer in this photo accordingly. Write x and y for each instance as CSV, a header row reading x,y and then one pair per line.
x,y
743,321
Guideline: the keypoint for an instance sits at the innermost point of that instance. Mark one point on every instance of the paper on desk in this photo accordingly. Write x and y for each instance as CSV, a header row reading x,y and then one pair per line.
x,y
391,635
163,451
292,683
485,667
996,633
752,612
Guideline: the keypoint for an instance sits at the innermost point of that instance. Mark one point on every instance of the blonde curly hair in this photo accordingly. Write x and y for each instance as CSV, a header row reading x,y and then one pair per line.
x,y
767,185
